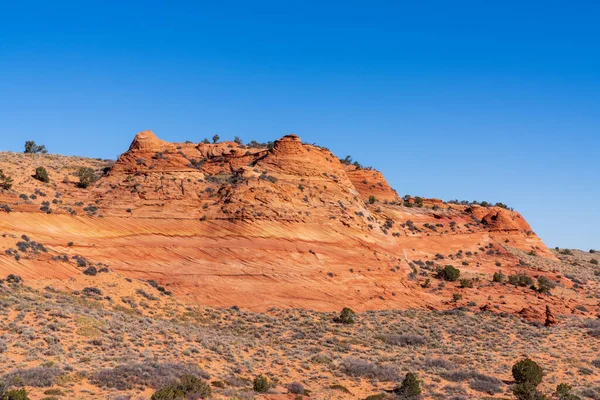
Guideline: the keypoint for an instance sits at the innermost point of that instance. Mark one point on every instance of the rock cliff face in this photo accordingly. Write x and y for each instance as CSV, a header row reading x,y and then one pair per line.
x,y
287,226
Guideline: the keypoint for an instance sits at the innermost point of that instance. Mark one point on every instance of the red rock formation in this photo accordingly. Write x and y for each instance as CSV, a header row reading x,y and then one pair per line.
x,y
370,182
550,319
530,314
147,141
290,226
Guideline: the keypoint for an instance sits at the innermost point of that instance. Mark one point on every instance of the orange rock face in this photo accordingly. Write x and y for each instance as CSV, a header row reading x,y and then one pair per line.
x,y
369,183
288,226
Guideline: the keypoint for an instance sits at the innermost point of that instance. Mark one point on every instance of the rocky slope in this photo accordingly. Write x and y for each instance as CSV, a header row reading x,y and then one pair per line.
x,y
282,226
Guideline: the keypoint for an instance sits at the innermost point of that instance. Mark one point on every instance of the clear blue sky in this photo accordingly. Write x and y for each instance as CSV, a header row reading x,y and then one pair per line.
x,y
477,100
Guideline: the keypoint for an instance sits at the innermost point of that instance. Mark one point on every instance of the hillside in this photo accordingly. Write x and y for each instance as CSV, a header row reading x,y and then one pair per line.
x,y
227,261
290,226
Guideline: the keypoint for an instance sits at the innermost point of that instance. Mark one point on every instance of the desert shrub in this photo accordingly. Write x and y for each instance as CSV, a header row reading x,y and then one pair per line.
x,y
404,340
466,283
439,363
372,199
160,288
296,388
15,394
362,368
91,271
499,277
520,279
216,138
410,387
81,261
347,316
31,246
15,279
218,384
54,392
593,326
449,273
169,392
86,177
189,386
459,375
594,261
6,181
267,177
487,385
379,396
41,175
32,148
527,371
148,374
545,285
261,384
563,392
91,291
527,391
192,384
43,376
146,295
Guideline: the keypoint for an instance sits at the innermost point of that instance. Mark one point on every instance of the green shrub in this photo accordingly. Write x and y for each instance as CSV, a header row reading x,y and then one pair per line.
x,y
54,392
449,273
499,277
17,394
594,261
347,316
520,279
41,175
193,385
545,285
410,387
188,386
372,199
86,177
261,384
527,371
168,393
32,148
466,283
527,391
6,182
563,392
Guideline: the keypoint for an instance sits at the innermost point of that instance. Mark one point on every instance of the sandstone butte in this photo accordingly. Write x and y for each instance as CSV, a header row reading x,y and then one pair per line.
x,y
288,226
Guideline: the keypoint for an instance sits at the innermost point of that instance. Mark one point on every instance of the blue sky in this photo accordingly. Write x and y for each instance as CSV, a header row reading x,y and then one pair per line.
x,y
496,101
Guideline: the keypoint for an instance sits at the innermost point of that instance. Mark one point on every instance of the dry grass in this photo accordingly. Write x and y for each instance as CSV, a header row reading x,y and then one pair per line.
x,y
89,348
